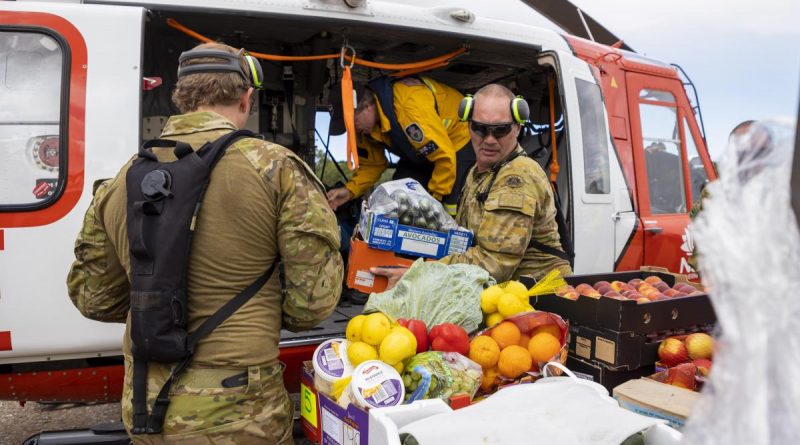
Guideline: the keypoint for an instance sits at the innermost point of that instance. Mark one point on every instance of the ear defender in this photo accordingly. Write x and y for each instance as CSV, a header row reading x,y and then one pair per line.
x,y
231,63
465,108
520,110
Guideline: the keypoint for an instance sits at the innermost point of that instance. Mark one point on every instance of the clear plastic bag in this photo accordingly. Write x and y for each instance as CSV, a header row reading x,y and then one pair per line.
x,y
409,202
435,374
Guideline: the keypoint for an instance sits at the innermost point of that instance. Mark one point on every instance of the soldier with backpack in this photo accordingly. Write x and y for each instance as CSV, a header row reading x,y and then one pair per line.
x,y
183,244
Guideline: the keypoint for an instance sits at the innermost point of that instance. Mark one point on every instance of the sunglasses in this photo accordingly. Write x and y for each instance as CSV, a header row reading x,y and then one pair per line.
x,y
496,130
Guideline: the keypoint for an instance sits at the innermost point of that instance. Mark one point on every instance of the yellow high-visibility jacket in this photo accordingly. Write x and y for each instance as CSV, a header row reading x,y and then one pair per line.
x,y
435,136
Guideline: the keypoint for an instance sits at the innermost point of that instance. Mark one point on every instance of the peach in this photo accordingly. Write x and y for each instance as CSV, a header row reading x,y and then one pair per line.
x,y
635,282
642,300
614,294
680,294
657,297
683,287
571,295
652,279
628,287
617,285
600,284
604,289
582,287
661,286
670,292
672,351
590,293
696,293
636,296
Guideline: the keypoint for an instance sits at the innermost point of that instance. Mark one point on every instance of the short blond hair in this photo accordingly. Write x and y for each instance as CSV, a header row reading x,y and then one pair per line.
x,y
210,89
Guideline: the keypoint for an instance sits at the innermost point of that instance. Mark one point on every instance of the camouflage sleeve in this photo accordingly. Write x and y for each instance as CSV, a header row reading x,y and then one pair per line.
x,y
503,235
97,283
308,239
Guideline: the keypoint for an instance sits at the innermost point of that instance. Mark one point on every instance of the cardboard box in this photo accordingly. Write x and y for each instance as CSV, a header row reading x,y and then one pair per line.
x,y
600,373
362,257
628,315
385,233
617,350
324,421
655,399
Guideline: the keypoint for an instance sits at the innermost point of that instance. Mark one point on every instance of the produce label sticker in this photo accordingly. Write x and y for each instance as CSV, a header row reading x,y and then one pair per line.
x,y
308,405
605,350
583,347
365,278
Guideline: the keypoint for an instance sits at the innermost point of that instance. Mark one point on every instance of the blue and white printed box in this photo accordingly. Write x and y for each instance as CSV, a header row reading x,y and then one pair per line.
x,y
388,234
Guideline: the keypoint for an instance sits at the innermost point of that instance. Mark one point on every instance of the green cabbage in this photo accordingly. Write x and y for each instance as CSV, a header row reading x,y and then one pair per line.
x,y
436,293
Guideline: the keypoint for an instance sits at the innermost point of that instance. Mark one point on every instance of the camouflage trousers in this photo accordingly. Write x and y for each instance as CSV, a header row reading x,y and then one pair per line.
x,y
203,412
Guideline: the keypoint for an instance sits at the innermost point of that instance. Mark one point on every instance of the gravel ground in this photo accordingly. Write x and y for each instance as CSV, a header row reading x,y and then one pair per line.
x,y
18,423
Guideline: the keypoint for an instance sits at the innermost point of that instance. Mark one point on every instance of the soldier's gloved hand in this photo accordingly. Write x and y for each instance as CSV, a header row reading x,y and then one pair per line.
x,y
338,196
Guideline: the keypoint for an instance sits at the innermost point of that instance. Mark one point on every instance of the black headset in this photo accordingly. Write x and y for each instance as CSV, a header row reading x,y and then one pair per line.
x,y
519,109
232,63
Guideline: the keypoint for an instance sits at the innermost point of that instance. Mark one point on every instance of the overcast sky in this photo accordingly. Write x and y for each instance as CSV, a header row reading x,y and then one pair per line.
x,y
743,56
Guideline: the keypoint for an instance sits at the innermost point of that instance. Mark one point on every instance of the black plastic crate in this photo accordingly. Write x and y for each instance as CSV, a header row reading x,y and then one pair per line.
x,y
610,378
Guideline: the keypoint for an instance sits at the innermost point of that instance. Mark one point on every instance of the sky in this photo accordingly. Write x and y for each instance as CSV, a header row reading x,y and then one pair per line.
x,y
743,56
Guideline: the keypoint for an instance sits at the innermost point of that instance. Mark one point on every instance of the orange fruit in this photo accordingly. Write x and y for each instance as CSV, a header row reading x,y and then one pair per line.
x,y
505,334
484,351
514,361
551,329
543,347
489,379
523,340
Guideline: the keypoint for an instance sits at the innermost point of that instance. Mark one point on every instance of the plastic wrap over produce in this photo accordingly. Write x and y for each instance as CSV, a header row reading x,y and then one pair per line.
x,y
409,202
749,246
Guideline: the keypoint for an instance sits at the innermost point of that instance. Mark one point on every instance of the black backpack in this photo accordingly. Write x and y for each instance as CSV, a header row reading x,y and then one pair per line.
x,y
164,201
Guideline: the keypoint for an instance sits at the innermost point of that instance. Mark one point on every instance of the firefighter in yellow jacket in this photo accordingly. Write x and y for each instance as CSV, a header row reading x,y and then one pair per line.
x,y
415,119
262,203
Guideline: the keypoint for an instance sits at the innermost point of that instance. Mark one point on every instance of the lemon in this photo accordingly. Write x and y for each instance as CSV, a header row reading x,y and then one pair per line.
x,y
353,330
359,352
375,327
529,308
516,288
397,346
494,318
399,367
405,331
509,304
489,298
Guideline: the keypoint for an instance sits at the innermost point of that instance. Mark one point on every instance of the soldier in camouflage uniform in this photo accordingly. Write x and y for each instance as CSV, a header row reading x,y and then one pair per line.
x,y
263,203
508,209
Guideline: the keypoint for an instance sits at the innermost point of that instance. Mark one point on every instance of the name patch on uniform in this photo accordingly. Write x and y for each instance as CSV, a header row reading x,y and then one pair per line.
x,y
510,200
514,181
428,148
415,133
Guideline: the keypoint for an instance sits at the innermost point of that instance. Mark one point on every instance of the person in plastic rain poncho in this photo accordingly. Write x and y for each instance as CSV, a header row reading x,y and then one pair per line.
x,y
506,201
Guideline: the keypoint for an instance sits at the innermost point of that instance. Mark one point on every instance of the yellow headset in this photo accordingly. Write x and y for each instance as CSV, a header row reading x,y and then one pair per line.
x,y
520,110
232,63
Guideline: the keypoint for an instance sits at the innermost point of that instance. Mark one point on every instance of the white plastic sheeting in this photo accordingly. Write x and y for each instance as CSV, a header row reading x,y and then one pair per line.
x,y
749,248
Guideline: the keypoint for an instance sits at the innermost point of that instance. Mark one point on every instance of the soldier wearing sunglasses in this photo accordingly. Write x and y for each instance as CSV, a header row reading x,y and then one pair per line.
x,y
506,200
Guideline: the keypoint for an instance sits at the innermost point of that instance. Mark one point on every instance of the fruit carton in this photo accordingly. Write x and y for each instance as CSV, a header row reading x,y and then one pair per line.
x,y
600,373
615,350
655,399
624,315
324,421
362,257
384,233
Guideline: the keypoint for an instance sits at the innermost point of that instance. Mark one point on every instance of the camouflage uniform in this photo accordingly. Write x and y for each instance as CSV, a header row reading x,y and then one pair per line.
x,y
262,202
519,208
697,207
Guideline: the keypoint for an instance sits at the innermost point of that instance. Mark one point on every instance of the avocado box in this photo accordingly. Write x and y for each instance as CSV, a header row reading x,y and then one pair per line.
x,y
384,233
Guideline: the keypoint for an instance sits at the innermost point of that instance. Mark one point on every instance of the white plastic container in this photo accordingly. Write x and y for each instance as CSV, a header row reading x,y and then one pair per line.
x,y
375,384
330,364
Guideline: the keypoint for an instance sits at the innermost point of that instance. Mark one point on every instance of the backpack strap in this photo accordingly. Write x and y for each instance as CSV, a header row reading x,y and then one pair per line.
x,y
156,421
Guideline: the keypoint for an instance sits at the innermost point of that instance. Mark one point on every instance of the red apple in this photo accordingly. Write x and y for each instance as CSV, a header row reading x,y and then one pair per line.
x,y
703,366
682,376
699,345
672,351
